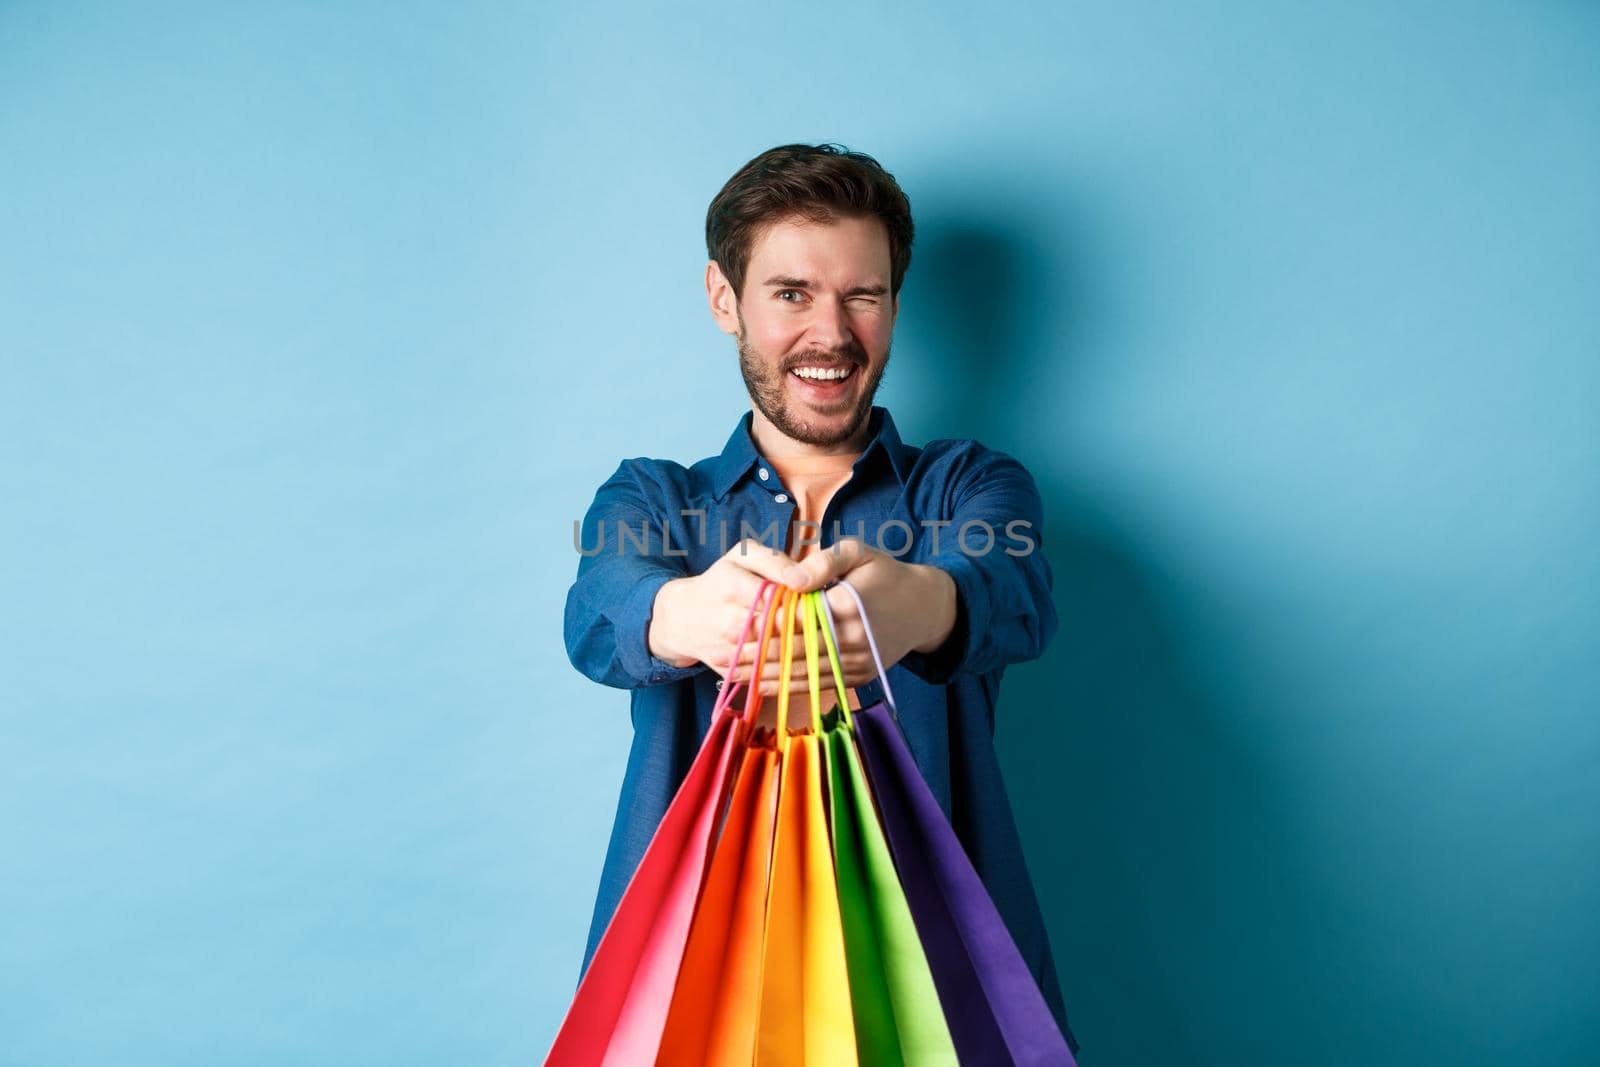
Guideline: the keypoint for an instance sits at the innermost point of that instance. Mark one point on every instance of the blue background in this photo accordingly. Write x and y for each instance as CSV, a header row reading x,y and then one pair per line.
x,y
320,324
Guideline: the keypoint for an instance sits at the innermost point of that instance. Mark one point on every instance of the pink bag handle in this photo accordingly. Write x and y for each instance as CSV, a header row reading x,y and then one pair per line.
x,y
724,690
753,697
872,643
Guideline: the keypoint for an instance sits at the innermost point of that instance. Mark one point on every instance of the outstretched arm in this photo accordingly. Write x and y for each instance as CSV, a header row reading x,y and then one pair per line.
x,y
982,600
621,568
636,615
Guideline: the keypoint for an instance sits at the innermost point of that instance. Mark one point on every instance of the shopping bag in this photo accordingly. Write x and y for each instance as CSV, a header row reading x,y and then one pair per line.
x,y
714,1011
619,1011
993,1006
805,1015
898,1017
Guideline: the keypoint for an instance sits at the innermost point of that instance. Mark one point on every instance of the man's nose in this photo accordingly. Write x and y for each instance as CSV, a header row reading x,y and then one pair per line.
x,y
830,326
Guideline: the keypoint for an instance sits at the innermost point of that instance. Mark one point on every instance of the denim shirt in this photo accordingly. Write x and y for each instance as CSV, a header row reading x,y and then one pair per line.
x,y
898,499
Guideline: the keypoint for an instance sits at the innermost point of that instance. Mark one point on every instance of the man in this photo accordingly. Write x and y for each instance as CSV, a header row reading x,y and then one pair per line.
x,y
808,248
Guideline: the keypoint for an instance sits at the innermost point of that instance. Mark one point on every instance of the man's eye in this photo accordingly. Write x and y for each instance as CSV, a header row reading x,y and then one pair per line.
x,y
782,291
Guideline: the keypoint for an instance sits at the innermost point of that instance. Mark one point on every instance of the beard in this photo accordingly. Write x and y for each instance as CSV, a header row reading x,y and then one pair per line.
x,y
765,381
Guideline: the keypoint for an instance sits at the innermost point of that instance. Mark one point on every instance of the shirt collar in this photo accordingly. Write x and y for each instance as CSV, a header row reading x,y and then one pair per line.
x,y
739,454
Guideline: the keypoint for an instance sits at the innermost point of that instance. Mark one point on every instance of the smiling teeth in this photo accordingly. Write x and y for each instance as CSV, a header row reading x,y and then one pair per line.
x,y
819,374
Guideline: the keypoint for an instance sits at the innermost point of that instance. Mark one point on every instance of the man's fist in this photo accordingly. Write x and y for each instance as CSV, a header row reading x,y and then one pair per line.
x,y
699,619
912,606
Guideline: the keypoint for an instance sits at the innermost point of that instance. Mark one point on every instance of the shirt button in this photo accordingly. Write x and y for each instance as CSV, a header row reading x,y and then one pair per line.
x,y
762,474
782,498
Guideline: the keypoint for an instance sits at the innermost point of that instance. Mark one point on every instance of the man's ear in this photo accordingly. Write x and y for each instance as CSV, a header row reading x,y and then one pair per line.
x,y
723,301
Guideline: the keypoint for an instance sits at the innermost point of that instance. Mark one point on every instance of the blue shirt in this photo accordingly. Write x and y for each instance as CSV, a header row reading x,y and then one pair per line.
x,y
896,499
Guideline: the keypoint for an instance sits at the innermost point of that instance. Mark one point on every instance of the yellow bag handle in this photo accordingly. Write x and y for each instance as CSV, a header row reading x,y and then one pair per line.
x,y
811,608
808,622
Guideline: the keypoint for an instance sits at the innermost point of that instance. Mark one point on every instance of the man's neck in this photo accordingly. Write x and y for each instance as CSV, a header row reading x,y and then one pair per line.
x,y
771,441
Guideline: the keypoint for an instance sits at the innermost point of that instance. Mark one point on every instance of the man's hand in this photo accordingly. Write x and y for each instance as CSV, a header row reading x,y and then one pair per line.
x,y
698,619
912,606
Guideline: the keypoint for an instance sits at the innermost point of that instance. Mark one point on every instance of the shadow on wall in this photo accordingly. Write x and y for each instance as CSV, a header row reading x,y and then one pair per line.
x,y
1158,847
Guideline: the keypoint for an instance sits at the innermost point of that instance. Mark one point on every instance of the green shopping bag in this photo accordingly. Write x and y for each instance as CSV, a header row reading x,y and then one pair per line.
x,y
897,1014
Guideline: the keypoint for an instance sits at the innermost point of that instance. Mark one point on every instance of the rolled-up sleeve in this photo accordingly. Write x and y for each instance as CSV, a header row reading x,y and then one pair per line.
x,y
1005,612
608,610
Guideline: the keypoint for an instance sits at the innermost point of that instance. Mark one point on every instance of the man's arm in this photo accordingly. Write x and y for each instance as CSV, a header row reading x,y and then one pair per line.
x,y
609,606
960,611
636,616
1004,609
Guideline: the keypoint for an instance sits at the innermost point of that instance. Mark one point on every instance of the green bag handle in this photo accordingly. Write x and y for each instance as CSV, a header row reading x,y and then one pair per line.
x,y
819,606
809,613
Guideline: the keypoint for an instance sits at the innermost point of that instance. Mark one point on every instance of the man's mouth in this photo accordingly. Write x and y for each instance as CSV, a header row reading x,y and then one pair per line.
x,y
824,374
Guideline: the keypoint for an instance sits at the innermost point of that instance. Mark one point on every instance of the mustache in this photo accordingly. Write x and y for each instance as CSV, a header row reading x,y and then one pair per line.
x,y
856,357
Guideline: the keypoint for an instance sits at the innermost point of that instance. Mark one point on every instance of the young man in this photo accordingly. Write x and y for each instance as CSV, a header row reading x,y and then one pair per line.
x,y
808,248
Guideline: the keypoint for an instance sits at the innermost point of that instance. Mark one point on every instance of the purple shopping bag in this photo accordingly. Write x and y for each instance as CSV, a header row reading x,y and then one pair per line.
x,y
993,1006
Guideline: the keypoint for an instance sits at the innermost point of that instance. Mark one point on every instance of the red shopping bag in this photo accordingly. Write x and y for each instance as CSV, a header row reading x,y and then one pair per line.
x,y
619,1011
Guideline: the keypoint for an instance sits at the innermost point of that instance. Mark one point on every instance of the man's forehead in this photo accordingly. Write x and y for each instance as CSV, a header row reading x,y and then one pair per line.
x,y
800,248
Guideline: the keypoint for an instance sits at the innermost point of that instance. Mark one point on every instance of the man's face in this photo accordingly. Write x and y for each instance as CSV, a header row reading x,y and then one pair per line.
x,y
816,305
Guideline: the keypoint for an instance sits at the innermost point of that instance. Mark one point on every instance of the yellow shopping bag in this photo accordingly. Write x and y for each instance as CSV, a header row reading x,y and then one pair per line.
x,y
805,1016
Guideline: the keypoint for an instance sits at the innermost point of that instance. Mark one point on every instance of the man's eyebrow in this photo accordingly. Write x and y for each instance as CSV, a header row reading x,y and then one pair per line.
x,y
789,282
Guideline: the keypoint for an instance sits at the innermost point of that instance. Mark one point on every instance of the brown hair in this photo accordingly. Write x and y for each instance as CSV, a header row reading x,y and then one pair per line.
x,y
814,182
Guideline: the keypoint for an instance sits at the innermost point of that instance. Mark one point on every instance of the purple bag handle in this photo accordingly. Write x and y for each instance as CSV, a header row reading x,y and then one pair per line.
x,y
872,643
